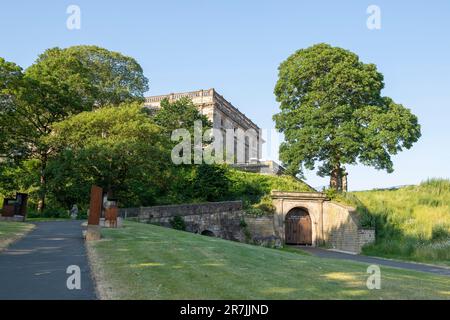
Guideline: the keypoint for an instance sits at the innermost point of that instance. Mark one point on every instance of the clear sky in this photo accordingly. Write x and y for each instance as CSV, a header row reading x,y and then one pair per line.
x,y
236,47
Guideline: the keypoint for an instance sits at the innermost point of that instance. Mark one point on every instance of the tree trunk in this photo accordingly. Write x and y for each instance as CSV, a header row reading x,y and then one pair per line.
x,y
42,191
336,178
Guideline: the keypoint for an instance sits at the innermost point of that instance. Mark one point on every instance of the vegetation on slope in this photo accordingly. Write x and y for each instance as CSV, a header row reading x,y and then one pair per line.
x,y
254,189
411,222
142,261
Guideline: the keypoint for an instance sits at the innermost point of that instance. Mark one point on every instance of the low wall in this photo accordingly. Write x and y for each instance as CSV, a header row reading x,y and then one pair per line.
x,y
221,219
260,226
261,231
341,228
365,236
14,218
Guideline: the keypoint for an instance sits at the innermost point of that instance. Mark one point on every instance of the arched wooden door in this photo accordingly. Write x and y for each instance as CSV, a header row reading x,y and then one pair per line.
x,y
298,227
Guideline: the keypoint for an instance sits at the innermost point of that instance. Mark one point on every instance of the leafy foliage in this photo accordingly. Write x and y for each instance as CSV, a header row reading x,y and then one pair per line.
x,y
333,113
61,83
179,114
254,189
178,223
22,176
117,148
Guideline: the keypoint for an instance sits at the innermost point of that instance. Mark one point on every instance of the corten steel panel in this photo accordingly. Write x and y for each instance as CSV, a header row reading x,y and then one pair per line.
x,y
95,206
23,203
8,210
111,216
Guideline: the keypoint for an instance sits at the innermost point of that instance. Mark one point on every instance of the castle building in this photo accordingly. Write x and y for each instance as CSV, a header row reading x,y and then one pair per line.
x,y
223,115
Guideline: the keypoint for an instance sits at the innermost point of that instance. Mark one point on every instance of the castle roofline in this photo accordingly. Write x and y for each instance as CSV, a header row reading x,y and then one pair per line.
x,y
201,96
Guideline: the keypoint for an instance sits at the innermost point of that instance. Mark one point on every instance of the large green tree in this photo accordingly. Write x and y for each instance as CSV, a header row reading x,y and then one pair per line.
x,y
333,114
118,148
61,83
11,78
179,114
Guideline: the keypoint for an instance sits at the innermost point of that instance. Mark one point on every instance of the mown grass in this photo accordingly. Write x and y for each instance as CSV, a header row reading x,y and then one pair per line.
x,y
411,223
11,231
144,261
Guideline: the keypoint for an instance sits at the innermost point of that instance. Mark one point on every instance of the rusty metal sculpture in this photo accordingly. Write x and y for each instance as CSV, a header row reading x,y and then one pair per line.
x,y
95,210
111,217
15,206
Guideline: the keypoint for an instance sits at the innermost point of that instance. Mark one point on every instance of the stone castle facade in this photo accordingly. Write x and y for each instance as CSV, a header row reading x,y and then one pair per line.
x,y
223,116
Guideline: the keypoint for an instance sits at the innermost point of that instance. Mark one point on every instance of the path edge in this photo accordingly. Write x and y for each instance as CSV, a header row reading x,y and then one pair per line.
x,y
102,288
4,246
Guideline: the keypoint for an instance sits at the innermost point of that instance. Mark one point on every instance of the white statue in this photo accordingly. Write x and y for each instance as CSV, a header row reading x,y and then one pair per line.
x,y
74,212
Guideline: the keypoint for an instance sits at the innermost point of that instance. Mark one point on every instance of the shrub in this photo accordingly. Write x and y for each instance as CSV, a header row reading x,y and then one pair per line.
x,y
247,234
178,223
49,213
254,189
440,232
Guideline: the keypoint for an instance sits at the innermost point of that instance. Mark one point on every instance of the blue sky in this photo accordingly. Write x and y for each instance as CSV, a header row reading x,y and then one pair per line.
x,y
236,47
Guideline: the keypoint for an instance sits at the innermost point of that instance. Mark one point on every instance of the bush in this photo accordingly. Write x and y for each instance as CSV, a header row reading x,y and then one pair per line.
x,y
49,213
254,189
440,232
178,223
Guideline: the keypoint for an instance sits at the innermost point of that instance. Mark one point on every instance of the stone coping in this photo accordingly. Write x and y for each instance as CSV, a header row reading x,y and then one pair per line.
x,y
237,203
319,196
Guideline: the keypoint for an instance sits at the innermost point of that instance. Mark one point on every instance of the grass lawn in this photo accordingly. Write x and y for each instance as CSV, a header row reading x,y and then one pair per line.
x,y
144,261
12,231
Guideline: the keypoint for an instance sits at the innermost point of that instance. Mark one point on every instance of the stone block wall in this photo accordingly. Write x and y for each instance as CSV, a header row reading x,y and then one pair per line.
x,y
342,229
261,231
365,236
260,227
221,219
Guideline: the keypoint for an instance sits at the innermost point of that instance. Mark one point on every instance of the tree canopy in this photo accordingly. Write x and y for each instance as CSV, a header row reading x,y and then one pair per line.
x,y
333,113
118,148
181,113
61,83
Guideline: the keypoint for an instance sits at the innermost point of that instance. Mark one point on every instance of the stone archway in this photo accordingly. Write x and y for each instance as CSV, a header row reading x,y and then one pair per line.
x,y
311,202
298,227
332,223
208,233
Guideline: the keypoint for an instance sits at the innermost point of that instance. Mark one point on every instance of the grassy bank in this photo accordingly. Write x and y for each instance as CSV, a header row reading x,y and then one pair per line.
x,y
12,231
412,222
144,261
254,189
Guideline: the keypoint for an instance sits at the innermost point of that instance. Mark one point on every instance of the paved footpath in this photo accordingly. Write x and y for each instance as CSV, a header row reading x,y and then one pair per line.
x,y
35,266
322,253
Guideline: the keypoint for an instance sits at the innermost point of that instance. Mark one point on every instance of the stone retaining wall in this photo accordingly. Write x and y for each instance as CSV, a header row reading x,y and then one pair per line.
x,y
261,231
333,224
342,229
260,226
221,219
